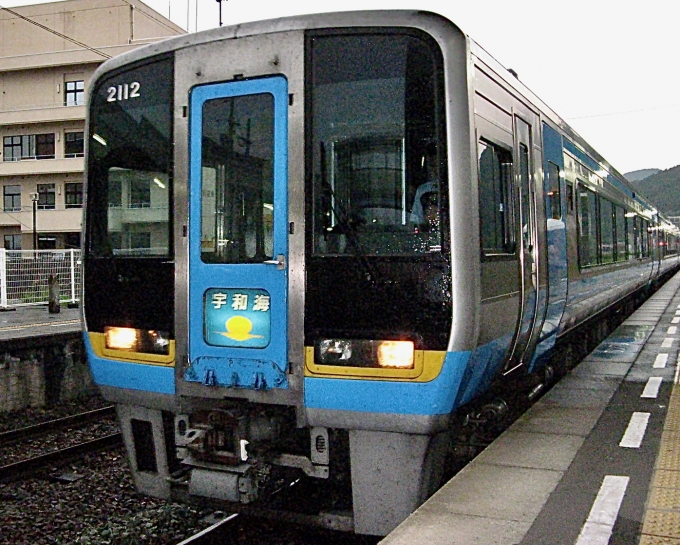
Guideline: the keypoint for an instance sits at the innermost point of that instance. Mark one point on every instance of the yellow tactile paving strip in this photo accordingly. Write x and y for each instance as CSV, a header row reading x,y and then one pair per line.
x,y
662,518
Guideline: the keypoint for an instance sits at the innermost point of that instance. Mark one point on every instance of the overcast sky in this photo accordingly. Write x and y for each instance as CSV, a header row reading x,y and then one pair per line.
x,y
611,69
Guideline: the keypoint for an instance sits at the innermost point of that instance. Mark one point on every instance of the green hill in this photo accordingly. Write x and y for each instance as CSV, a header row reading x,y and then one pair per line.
x,y
638,175
663,190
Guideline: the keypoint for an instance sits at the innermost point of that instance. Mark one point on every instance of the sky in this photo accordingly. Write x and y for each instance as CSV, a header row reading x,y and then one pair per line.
x,y
611,69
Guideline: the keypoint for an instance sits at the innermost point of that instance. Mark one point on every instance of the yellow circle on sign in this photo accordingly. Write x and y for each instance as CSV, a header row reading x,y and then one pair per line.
x,y
239,328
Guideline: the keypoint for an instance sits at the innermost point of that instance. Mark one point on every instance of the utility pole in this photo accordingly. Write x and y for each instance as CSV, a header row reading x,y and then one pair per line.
x,y
220,3
34,199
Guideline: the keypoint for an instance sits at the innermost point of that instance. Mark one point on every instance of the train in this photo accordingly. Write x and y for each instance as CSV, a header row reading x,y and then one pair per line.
x,y
315,246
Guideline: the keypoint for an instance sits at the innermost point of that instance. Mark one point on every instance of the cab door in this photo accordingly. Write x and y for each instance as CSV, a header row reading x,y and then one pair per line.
x,y
238,243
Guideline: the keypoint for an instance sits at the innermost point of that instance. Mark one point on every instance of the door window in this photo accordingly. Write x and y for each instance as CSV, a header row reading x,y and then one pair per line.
x,y
237,216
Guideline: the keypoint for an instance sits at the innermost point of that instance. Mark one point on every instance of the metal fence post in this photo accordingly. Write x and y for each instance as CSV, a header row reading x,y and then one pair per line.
x,y
3,278
73,276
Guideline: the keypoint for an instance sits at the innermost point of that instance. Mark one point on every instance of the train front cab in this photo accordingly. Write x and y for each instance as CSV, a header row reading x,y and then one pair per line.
x,y
262,296
284,258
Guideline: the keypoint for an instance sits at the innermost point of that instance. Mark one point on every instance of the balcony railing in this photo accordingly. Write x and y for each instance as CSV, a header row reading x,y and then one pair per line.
x,y
42,207
28,158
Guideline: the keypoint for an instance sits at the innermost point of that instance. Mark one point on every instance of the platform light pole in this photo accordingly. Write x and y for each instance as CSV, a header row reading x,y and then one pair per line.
x,y
34,198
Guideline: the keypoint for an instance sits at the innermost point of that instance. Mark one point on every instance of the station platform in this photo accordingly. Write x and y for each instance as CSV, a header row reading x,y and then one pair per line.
x,y
595,461
35,321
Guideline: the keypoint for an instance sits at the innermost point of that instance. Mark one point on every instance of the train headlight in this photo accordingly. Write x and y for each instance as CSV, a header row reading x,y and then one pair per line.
x,y
137,340
120,338
395,354
364,353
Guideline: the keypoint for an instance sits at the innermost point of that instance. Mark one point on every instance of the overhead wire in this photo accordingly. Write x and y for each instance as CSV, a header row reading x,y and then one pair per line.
x,y
624,112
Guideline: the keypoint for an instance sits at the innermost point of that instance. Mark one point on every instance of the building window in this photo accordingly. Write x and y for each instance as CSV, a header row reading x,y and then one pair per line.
x,y
12,148
11,198
47,242
74,144
28,146
72,241
75,93
140,241
44,146
46,197
74,195
13,242
140,193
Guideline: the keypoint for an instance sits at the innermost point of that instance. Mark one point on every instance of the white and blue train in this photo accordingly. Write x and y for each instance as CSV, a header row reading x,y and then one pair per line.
x,y
311,243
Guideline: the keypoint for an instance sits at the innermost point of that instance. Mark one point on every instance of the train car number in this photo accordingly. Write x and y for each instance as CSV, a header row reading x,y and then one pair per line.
x,y
123,91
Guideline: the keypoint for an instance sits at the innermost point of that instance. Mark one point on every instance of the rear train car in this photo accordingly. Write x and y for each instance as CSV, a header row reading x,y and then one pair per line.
x,y
311,243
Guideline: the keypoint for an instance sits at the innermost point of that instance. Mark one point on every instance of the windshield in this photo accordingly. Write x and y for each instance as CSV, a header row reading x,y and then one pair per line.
x,y
130,163
377,159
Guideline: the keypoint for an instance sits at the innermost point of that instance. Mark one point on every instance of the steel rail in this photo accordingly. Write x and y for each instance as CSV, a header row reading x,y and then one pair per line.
x,y
12,436
25,468
217,534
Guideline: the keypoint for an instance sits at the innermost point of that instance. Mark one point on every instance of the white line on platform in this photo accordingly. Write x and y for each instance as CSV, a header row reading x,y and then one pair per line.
x,y
660,361
672,330
635,432
676,320
651,390
667,342
677,371
600,523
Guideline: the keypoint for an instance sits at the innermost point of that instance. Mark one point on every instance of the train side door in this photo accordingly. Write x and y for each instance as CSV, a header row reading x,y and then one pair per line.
x,y
238,237
525,340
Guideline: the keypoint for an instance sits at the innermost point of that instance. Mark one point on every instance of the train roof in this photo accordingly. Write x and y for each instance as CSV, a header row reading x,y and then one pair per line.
x,y
436,24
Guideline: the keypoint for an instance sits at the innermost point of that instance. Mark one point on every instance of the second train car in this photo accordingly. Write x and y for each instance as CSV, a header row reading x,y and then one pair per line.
x,y
310,243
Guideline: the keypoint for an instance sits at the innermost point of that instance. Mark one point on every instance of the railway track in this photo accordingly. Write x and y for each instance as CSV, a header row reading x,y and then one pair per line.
x,y
21,434
217,534
22,469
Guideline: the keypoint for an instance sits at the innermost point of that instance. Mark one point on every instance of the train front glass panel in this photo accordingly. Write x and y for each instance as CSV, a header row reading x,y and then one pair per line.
x,y
376,197
129,192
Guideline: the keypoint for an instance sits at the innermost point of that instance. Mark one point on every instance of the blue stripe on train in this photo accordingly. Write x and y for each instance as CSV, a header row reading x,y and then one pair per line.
x,y
384,396
133,376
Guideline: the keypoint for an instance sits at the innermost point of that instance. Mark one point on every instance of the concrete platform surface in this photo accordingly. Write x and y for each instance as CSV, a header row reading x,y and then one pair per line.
x,y
36,321
579,468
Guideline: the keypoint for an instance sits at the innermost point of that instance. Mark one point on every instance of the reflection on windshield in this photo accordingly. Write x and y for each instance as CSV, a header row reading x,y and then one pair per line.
x,y
129,164
138,212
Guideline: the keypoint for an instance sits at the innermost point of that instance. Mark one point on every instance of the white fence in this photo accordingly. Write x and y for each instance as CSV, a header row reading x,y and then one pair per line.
x,y
24,276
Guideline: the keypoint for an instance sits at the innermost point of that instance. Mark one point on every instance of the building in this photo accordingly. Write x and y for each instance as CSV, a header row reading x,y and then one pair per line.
x,y
48,53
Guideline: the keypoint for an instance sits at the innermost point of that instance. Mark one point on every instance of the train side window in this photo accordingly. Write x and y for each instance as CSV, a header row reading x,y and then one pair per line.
x,y
570,198
620,234
630,235
644,238
587,227
606,231
495,199
553,204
